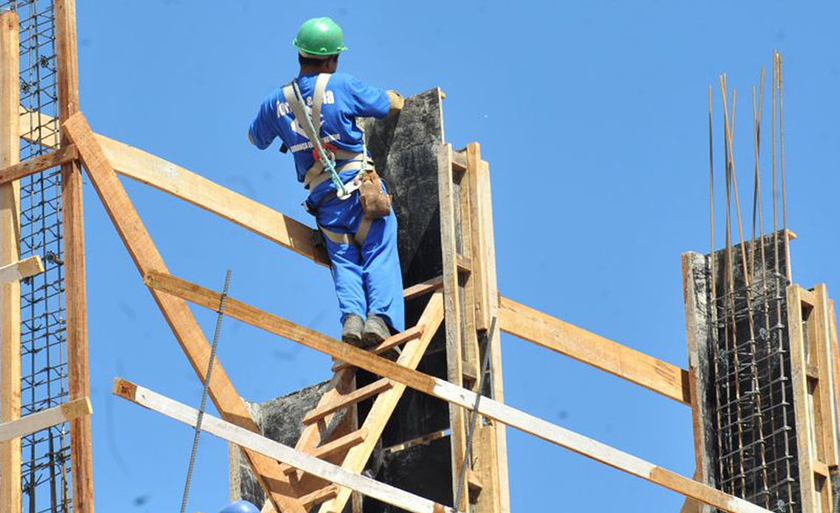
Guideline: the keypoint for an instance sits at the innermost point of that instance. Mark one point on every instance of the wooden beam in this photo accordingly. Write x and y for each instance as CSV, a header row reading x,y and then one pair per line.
x,y
825,363
21,269
277,451
389,343
75,287
37,164
696,291
340,444
805,432
193,188
203,193
452,394
835,352
318,496
599,352
385,404
423,288
10,457
189,335
356,396
44,419
455,335
495,433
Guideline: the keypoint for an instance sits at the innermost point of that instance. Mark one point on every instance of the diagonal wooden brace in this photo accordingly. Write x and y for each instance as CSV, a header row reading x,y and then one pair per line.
x,y
192,340
453,394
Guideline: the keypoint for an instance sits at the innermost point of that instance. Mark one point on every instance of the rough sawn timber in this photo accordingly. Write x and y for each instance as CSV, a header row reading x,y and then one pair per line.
x,y
192,340
452,394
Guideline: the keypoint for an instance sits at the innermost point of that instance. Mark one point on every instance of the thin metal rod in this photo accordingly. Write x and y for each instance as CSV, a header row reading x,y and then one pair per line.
x,y
782,142
204,392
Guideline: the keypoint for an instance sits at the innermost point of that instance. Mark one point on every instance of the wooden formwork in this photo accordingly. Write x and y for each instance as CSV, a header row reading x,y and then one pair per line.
x,y
468,305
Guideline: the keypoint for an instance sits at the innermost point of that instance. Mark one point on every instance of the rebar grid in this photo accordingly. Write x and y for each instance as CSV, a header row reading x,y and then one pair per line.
x,y
754,422
45,454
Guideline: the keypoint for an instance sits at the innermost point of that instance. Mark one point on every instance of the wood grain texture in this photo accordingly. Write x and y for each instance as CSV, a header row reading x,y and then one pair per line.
x,y
37,164
193,188
385,404
452,307
799,379
10,373
45,418
488,242
277,451
181,320
21,269
75,285
696,284
452,394
599,352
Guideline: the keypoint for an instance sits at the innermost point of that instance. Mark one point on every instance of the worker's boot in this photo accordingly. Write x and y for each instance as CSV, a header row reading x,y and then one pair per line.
x,y
375,331
351,333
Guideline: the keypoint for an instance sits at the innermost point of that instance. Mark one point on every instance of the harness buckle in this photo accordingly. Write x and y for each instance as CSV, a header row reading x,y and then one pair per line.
x,y
329,152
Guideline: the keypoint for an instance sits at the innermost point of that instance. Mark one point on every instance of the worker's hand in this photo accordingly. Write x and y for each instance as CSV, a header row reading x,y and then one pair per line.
x,y
397,101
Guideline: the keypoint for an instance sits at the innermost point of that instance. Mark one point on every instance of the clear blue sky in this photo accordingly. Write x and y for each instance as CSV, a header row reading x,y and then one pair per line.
x,y
593,118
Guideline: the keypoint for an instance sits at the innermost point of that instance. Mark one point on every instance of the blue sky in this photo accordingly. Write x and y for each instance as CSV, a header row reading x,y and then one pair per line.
x,y
593,116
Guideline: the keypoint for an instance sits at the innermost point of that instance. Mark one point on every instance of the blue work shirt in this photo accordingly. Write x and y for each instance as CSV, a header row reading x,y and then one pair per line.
x,y
345,99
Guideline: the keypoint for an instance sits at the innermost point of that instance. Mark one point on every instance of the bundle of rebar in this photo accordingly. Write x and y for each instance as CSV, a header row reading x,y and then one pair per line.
x,y
45,471
754,426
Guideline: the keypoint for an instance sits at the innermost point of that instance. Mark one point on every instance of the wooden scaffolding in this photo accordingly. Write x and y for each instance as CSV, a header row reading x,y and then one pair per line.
x,y
462,303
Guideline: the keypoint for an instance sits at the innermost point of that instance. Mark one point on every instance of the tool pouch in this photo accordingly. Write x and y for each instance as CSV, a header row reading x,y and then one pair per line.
x,y
375,202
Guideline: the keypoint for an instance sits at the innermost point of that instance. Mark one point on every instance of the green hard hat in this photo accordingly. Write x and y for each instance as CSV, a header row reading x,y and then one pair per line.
x,y
320,37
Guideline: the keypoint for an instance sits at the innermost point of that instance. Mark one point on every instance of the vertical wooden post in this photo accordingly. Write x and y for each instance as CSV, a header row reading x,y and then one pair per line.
x,y
10,494
74,260
454,315
498,436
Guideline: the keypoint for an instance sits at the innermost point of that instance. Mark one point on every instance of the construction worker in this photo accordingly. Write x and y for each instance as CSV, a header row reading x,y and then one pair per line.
x,y
240,507
362,246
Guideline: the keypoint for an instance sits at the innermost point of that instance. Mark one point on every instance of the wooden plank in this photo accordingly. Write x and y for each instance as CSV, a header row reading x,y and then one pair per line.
x,y
75,286
340,444
464,261
390,343
37,164
366,392
799,382
452,394
36,127
44,419
275,450
478,214
318,496
599,352
203,193
342,383
696,285
822,317
21,269
385,404
423,288
10,389
452,302
193,188
189,335
499,435
835,351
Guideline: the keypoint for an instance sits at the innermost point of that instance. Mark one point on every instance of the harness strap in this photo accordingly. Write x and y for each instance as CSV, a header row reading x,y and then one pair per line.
x,y
347,239
316,174
337,238
318,100
362,231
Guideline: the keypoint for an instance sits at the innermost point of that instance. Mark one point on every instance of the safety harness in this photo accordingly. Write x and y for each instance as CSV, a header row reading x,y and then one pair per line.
x,y
325,156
